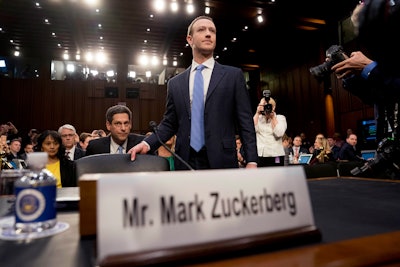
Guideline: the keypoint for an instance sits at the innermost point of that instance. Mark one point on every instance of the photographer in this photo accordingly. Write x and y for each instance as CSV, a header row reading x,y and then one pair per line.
x,y
375,78
375,82
270,128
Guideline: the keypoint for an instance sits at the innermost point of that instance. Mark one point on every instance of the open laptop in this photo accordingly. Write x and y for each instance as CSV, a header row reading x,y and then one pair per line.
x,y
305,158
368,154
68,198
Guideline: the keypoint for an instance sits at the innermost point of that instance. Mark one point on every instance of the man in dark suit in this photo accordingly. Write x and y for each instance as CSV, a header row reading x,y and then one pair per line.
x,y
227,109
120,140
68,134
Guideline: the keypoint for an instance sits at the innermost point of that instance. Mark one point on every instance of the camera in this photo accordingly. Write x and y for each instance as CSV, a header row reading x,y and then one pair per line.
x,y
334,54
268,106
386,164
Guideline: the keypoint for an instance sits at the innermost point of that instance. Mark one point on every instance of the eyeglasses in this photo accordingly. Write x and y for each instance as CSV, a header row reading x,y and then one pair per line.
x,y
67,135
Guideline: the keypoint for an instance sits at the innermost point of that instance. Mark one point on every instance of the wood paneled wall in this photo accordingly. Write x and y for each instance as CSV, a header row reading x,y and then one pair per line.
x,y
46,104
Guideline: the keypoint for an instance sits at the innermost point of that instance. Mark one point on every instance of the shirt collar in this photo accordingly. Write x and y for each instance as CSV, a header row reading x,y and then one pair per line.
x,y
209,63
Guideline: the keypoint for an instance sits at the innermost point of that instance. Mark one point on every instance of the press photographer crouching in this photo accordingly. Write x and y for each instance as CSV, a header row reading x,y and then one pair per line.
x,y
270,128
374,76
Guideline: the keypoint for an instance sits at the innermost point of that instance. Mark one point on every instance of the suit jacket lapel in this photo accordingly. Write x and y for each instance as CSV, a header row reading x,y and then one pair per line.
x,y
216,77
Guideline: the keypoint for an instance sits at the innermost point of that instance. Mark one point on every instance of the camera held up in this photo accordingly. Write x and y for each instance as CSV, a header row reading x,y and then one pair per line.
x,y
386,163
334,54
267,106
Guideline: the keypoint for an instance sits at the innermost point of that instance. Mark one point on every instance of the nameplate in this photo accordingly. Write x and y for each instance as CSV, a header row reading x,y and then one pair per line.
x,y
159,210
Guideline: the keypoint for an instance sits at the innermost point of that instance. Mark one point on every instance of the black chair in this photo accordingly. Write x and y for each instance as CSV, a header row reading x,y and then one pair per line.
x,y
109,163
328,169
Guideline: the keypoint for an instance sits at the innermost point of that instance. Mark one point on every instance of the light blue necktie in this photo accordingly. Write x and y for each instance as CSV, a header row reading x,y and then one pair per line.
x,y
197,123
120,150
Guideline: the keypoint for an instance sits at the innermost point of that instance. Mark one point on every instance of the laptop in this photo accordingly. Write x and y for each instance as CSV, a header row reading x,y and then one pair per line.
x,y
368,154
68,198
305,158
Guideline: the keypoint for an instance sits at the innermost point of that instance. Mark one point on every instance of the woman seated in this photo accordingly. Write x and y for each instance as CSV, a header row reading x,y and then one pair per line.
x,y
57,163
322,152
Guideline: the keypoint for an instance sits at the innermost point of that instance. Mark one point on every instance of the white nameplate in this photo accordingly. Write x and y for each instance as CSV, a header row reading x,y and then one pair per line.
x,y
155,210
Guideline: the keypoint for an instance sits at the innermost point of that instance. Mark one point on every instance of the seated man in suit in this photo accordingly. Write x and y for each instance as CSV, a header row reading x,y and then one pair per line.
x,y
120,140
349,151
297,149
67,133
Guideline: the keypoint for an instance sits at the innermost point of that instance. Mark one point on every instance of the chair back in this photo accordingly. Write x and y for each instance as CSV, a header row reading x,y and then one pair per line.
x,y
110,163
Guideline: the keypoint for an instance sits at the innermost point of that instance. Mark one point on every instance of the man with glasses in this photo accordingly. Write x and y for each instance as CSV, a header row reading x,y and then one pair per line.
x,y
72,152
120,139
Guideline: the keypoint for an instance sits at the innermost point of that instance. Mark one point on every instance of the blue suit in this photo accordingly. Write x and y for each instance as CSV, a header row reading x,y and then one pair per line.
x,y
227,111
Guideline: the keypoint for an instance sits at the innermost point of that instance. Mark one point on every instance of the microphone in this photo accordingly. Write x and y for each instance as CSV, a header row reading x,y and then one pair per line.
x,y
153,126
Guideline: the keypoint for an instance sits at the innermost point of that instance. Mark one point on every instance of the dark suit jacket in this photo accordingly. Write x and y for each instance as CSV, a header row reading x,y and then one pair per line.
x,y
102,145
68,177
79,153
227,111
347,152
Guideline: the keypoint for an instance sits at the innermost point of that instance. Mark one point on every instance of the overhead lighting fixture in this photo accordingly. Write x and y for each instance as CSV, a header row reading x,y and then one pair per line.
x,y
190,8
70,67
17,53
159,5
207,10
260,18
148,74
174,6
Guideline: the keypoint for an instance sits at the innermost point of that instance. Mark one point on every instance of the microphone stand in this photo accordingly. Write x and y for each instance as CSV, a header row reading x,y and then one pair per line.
x,y
153,126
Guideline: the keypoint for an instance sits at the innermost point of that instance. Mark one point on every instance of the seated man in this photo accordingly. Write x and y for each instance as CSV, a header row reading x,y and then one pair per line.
x,y
120,140
349,151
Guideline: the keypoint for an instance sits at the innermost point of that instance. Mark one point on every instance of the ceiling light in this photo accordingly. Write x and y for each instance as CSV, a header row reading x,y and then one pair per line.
x,y
174,63
207,10
148,74
260,18
78,57
190,8
17,53
132,74
174,6
165,62
159,5
70,67
89,56
66,56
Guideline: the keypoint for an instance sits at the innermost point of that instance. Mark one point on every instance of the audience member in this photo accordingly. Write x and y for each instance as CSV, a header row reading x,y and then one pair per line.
x,y
28,148
305,143
333,147
286,146
349,150
15,147
120,140
240,152
9,130
68,133
227,108
84,139
297,149
57,163
30,137
163,152
98,133
322,152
